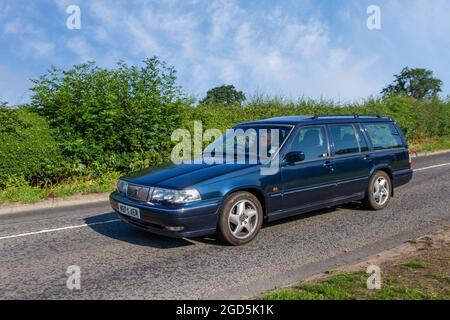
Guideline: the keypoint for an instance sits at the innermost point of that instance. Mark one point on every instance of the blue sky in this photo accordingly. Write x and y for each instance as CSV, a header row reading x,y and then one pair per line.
x,y
292,48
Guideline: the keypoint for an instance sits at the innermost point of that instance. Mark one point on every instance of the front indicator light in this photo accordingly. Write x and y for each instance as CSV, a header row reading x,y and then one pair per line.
x,y
122,187
174,228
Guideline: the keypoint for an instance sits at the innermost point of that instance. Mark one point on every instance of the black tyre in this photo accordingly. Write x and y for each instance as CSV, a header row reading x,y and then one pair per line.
x,y
240,219
379,191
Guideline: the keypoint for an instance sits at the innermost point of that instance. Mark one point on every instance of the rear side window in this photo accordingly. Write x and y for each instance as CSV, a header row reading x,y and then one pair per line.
x,y
345,139
383,135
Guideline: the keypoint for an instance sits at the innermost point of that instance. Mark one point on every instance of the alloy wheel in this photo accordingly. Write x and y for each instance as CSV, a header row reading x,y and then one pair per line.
x,y
243,219
381,191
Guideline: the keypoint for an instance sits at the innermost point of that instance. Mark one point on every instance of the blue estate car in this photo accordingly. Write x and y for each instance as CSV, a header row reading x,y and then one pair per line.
x,y
323,161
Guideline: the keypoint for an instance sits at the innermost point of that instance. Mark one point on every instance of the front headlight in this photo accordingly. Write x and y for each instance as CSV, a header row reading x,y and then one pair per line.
x,y
175,196
122,187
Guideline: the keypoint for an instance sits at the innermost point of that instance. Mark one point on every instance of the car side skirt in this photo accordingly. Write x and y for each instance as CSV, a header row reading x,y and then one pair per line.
x,y
314,206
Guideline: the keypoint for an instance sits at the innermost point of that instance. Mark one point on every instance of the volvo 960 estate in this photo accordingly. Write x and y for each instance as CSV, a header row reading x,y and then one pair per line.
x,y
321,161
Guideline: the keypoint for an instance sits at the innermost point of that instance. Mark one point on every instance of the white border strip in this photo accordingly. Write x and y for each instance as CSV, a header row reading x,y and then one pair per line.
x,y
431,167
58,229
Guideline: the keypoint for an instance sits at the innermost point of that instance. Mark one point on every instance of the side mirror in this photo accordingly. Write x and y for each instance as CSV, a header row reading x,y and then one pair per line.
x,y
294,156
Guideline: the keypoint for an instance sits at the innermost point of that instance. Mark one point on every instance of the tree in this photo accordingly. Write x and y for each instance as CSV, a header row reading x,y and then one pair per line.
x,y
416,83
120,117
225,94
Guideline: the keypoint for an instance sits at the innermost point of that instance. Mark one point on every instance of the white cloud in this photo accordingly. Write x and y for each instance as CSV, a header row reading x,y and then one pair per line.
x,y
337,58
288,48
312,38
12,27
100,34
108,13
279,54
31,39
81,48
142,40
40,48
217,42
224,16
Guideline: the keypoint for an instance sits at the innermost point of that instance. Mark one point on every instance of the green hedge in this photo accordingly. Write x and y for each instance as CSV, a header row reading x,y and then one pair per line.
x,y
417,119
28,149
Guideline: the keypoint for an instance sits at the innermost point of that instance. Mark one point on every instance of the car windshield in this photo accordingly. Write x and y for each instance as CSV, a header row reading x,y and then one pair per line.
x,y
249,140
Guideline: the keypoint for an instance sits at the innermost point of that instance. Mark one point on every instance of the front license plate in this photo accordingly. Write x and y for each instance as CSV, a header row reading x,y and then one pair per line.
x,y
129,211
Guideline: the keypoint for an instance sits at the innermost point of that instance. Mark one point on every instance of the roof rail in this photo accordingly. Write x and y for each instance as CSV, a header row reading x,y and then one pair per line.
x,y
355,116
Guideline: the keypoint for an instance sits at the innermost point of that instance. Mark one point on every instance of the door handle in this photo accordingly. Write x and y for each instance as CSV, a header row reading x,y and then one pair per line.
x,y
329,165
367,157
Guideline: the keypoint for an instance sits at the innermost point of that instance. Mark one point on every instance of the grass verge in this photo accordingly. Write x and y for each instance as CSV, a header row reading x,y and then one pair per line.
x,y
431,144
423,274
24,193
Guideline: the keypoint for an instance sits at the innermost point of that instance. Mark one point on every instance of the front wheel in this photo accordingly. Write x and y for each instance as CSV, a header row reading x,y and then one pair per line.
x,y
379,191
240,219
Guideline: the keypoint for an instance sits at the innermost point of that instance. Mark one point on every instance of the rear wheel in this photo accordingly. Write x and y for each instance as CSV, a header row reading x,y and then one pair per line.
x,y
240,219
379,191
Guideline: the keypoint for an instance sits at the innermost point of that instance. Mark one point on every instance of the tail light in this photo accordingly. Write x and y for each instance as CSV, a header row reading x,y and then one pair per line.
x,y
410,159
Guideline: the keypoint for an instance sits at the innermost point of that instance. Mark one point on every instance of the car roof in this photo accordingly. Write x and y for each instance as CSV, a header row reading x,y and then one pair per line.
x,y
321,119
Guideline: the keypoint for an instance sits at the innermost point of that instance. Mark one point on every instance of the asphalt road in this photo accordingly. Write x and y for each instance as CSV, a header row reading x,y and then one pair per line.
x,y
120,262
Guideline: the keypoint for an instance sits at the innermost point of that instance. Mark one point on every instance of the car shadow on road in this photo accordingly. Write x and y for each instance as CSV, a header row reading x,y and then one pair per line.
x,y
349,206
299,216
123,232
211,240
357,206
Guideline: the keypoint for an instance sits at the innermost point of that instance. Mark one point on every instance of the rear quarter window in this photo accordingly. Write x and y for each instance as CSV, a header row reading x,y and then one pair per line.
x,y
383,135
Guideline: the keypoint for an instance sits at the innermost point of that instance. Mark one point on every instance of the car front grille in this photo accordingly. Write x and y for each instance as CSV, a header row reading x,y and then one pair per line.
x,y
136,192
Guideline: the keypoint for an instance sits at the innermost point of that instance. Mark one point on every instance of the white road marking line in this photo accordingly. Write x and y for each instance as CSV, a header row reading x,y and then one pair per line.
x,y
431,167
58,229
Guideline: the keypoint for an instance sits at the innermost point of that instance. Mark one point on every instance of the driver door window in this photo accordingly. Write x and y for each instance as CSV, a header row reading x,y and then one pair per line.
x,y
313,142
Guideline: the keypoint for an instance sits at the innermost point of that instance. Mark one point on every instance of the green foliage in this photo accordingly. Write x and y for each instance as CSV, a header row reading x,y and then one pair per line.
x,y
224,95
120,119
416,83
431,144
419,120
18,189
416,264
28,150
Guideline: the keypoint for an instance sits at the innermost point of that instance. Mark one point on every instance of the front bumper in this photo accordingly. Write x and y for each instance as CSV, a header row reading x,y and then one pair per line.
x,y
191,220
